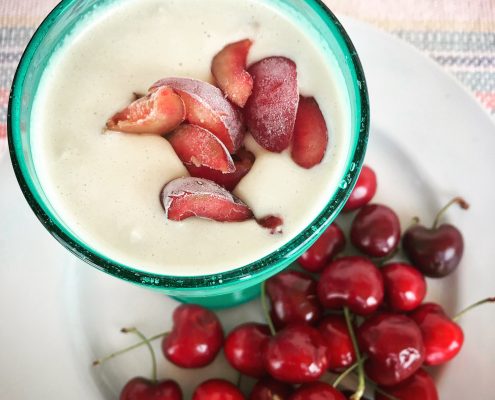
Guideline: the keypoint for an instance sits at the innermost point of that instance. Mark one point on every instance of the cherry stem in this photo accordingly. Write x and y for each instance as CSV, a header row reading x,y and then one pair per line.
x,y
456,200
266,312
346,373
154,375
239,380
134,346
361,378
472,306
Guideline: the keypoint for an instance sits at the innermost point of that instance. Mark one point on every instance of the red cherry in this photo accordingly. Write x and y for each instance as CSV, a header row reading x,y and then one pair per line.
x,y
329,244
317,391
144,389
364,190
394,346
340,351
296,354
419,386
405,286
436,251
375,230
270,389
195,339
217,389
443,337
354,282
293,298
244,348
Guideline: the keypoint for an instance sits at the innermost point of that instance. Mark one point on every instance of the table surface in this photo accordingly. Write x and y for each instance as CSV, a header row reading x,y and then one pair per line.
x,y
459,35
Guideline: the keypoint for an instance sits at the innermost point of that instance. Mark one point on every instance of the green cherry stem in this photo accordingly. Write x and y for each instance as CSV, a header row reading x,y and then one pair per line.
x,y
361,378
344,375
456,200
472,306
134,346
266,312
154,375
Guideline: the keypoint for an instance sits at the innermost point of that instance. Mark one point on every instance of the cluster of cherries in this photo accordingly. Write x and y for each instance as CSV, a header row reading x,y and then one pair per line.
x,y
342,314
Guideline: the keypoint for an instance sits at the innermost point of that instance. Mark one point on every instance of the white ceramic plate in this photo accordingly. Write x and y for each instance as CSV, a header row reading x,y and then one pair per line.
x,y
429,141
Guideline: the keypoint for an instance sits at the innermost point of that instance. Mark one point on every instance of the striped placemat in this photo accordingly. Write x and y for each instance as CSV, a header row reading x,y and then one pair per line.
x,y
458,34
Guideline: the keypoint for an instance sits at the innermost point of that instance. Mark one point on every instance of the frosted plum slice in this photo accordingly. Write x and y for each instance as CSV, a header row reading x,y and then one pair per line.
x,y
243,161
208,108
195,197
310,139
157,113
199,147
229,69
271,109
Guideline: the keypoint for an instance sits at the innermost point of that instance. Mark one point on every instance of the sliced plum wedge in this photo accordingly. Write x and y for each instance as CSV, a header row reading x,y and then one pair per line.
x,y
208,108
271,109
157,113
229,69
310,139
243,161
195,197
199,147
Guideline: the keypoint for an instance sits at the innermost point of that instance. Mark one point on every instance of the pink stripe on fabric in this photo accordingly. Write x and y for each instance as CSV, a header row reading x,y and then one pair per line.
x,y
3,138
487,99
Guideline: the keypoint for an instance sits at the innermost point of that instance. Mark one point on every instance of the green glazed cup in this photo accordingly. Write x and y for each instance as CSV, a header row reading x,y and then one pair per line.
x,y
218,290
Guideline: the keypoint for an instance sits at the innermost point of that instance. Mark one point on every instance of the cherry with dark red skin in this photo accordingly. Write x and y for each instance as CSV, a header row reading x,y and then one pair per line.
x,y
405,286
317,391
329,244
296,354
195,339
244,348
217,389
436,251
353,282
293,298
419,386
363,191
443,337
340,351
394,346
375,231
270,389
145,389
